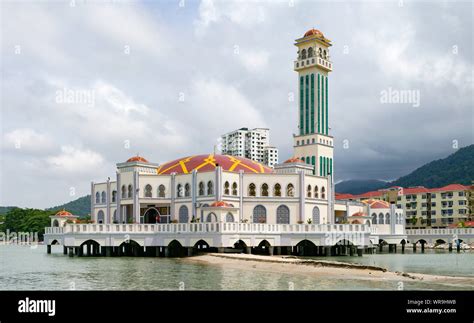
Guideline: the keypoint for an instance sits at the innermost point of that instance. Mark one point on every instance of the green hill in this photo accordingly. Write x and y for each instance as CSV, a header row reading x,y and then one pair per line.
x,y
80,206
456,168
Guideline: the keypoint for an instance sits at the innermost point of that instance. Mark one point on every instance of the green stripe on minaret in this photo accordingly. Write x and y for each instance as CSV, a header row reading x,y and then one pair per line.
x,y
319,105
306,95
312,103
301,106
327,126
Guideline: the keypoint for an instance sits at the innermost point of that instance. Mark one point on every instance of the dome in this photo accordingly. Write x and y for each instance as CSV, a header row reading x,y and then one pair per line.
x,y
63,213
137,159
377,204
293,160
313,32
207,163
221,204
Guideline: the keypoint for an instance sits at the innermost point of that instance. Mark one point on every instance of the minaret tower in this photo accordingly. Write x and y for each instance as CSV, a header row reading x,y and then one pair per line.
x,y
313,144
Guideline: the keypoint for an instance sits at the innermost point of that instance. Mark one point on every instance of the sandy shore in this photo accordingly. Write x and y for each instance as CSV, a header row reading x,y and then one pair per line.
x,y
322,268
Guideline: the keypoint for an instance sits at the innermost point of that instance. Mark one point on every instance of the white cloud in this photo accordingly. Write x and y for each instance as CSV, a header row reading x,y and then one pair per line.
x,y
254,61
74,160
27,140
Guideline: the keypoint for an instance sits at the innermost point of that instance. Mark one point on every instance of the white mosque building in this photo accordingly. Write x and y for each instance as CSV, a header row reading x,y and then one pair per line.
x,y
222,189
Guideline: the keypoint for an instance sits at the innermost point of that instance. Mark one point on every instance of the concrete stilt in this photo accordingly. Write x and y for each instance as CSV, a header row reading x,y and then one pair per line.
x,y
48,249
190,251
381,248
220,250
351,251
248,250
71,252
157,251
327,251
108,251
360,252
167,251
270,250
414,247
277,250
450,247
64,250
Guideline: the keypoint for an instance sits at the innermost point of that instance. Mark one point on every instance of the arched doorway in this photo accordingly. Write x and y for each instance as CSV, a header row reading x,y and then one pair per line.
x,y
306,248
151,216
263,248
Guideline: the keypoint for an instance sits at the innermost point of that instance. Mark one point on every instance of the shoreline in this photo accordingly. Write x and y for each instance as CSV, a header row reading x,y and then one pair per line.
x,y
324,269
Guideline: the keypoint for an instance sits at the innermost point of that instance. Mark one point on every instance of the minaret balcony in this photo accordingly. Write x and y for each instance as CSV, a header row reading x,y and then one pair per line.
x,y
301,64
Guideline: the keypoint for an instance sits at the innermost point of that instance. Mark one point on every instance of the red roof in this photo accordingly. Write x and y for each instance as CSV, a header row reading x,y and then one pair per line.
x,y
63,213
207,163
312,32
220,204
469,224
344,196
450,187
293,160
359,214
137,159
369,194
377,204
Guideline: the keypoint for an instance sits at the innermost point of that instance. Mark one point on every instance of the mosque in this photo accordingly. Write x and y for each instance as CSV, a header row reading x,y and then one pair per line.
x,y
221,188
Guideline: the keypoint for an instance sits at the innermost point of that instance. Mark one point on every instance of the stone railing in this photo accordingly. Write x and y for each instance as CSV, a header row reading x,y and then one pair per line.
x,y
209,228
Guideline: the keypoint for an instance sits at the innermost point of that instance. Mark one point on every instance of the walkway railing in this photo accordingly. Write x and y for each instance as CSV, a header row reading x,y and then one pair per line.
x,y
458,231
208,228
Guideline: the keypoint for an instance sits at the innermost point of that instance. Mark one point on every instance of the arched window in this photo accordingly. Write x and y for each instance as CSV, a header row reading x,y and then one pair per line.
x,y
161,191
114,196
316,216
260,214
252,189
290,190
179,190
387,218
310,52
187,190
202,211
183,214
374,218
303,54
226,188
229,217
124,191
201,188
277,190
308,191
325,54
211,217
316,192
97,197
323,192
130,191
115,217
55,223
234,188
148,190
264,190
103,195
380,218
210,188
283,214
100,217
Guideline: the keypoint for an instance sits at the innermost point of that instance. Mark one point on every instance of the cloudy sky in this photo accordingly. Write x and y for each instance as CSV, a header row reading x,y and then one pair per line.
x,y
87,84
